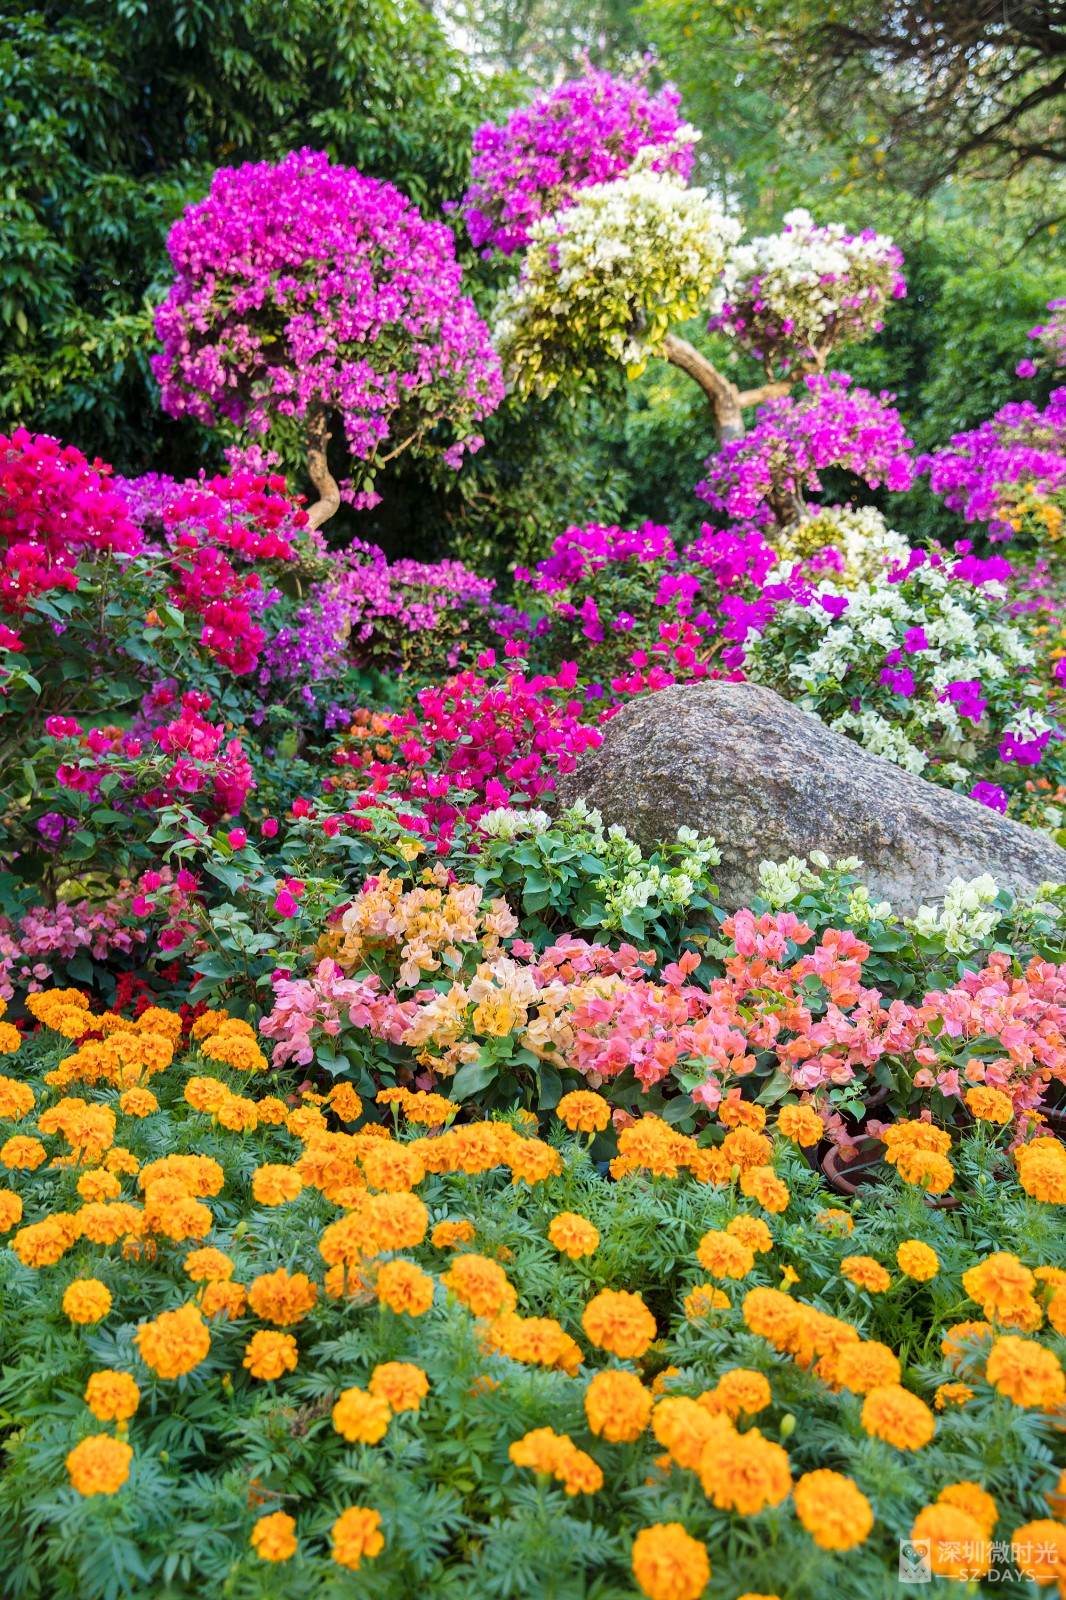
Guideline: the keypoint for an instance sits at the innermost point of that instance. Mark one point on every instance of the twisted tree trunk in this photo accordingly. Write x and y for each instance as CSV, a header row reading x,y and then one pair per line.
x,y
726,401
329,495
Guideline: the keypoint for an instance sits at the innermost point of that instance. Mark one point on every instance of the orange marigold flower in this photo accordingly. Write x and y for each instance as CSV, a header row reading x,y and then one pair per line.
x,y
201,1176
175,1342
345,1102
204,1266
206,1094
20,1153
238,1114
138,1102
999,1283
915,1135
361,1417
480,1284
975,1501
619,1322
112,1396
1056,1310
402,1385
618,1406
546,1452
10,1210
989,1105
273,1184
737,1113
685,1428
1042,1170
350,1242
952,1394
356,1537
862,1366
99,1185
583,1111
724,1256
917,1260
892,1413
222,1299
99,1464
763,1184
746,1473
926,1169
271,1111
1039,1551
400,1220
16,1099
403,1287
572,1235
1026,1373
834,1512
103,1223
276,1297
446,1235
87,1300
746,1149
704,1299
866,1273
532,1161
274,1537
270,1355
835,1221
119,1159
801,1123
751,1231
957,1544
392,1167
964,1343
741,1391
669,1564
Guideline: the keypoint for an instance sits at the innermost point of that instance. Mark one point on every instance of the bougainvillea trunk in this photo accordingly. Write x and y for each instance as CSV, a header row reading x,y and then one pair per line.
x,y
723,397
329,495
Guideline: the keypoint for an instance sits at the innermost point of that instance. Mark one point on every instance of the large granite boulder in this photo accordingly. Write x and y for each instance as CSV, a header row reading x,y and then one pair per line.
x,y
769,781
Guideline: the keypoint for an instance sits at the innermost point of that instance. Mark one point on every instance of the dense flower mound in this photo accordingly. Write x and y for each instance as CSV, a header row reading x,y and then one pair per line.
x,y
303,284
586,130
689,1370
790,298
987,473
768,473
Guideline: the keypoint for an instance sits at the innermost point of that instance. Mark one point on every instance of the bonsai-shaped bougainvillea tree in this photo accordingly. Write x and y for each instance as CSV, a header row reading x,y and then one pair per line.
x,y
305,291
591,179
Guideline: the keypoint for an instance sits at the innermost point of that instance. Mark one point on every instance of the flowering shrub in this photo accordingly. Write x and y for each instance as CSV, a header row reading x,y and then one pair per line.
x,y
789,299
1051,336
585,131
841,545
994,472
303,288
702,1367
606,278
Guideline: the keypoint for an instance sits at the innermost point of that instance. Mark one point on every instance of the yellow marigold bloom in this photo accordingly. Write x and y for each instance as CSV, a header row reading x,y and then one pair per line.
x,y
989,1105
669,1564
16,1099
399,1383
619,1322
282,1299
925,1169
751,1231
724,1256
763,1184
963,1343
10,1209
1026,1373
835,1221
685,1428
917,1260
892,1413
834,1512
274,1537
99,1185
405,1288
861,1367
999,1284
87,1300
41,1244
480,1284
957,1544
392,1167
703,1299
22,1154
238,1114
361,1417
746,1474
273,1184
345,1102
10,1039
269,1354
572,1235
737,1113
356,1537
99,1464
206,1094
952,1394
1042,1170
175,1343
801,1123
618,1406
583,1111
446,1235
112,1396
221,1299
1039,1551
975,1501
866,1273
208,1265
741,1391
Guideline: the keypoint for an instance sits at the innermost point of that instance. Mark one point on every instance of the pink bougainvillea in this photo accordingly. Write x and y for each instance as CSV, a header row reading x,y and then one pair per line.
x,y
586,130
303,285
1021,448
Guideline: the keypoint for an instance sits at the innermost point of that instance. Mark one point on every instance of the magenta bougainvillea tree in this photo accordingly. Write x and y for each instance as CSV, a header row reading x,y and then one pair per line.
x,y
1018,455
586,130
305,291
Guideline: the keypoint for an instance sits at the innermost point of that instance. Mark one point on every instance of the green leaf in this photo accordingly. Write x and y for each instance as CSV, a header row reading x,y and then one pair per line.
x,y
473,1077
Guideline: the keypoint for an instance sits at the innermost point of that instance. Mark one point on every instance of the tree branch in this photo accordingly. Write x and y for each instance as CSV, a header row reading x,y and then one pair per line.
x,y
723,397
318,437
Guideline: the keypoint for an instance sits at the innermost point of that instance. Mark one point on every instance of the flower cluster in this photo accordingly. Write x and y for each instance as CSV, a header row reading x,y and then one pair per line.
x,y
1018,454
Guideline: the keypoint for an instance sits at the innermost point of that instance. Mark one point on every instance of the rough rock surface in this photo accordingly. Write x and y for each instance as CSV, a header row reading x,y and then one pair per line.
x,y
769,781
